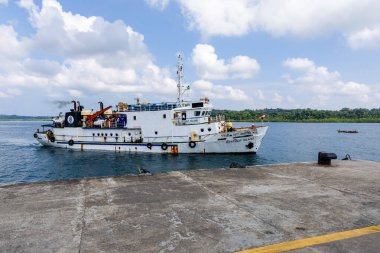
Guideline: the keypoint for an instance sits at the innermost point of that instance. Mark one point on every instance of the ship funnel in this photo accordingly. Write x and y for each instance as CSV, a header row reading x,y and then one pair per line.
x,y
101,105
75,105
78,106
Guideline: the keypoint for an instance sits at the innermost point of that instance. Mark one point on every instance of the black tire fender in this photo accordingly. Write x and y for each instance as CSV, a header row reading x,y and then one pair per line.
x,y
164,146
250,145
71,142
149,145
192,144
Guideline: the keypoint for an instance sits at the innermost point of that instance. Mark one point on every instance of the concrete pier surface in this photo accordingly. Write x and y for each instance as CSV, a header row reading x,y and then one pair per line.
x,y
220,210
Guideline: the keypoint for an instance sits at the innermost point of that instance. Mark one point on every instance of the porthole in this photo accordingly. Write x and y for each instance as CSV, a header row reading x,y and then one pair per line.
x,y
155,132
129,134
93,134
111,134
209,129
164,116
102,134
116,134
134,117
202,130
98,134
105,134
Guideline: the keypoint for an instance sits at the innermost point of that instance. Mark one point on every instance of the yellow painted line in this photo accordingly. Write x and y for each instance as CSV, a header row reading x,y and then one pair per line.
x,y
307,242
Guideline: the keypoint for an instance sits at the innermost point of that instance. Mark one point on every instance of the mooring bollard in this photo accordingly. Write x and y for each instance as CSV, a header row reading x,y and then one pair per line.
x,y
325,158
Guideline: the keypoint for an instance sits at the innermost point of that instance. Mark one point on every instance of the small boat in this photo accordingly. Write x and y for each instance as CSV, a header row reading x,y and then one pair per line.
x,y
348,131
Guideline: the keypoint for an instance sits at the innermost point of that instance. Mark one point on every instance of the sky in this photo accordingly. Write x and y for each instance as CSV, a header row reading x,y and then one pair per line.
x,y
241,54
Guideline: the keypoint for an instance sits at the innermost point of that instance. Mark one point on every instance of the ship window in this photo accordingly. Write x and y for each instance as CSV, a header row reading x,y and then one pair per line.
x,y
203,113
164,116
111,134
105,134
209,113
184,116
197,113
129,134
155,132
93,134
209,129
116,134
102,134
98,134
202,130
134,117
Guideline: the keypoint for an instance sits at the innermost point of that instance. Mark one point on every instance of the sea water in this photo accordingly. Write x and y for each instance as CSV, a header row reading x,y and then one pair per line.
x,y
23,159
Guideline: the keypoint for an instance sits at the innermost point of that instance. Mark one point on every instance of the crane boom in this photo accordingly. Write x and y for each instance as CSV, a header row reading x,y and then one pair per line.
x,y
92,117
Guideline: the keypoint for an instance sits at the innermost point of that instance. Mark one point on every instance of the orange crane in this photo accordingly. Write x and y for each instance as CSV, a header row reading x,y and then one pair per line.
x,y
91,118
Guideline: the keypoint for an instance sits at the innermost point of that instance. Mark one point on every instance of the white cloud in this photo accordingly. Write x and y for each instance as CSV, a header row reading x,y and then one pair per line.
x,y
75,93
365,38
277,98
259,94
94,55
287,17
215,91
210,67
159,4
5,2
219,17
325,85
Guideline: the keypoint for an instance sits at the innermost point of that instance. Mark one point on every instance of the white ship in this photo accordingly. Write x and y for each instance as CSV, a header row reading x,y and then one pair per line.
x,y
171,127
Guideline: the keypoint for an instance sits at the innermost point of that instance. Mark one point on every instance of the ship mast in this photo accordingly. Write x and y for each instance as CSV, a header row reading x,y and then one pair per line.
x,y
179,78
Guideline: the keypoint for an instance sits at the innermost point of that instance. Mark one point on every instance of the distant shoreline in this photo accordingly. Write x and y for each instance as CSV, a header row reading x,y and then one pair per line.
x,y
252,120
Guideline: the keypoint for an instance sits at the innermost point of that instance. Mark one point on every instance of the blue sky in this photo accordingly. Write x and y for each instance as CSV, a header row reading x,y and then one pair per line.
x,y
242,54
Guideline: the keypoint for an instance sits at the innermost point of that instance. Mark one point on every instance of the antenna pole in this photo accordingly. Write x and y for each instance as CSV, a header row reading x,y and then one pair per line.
x,y
179,78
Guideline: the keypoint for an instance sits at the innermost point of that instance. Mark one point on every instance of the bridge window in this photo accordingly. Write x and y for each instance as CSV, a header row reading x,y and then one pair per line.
x,y
197,113
203,113
134,117
164,116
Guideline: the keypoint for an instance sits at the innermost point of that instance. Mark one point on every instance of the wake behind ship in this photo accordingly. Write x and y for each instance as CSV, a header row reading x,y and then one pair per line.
x,y
169,127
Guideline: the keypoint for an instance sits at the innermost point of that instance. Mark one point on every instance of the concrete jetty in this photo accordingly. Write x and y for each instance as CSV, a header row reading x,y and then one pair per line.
x,y
220,210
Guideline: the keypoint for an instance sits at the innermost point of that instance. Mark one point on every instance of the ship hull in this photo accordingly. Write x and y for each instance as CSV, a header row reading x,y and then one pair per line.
x,y
118,140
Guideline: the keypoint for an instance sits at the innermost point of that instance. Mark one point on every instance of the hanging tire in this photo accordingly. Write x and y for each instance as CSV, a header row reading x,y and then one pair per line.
x,y
35,135
52,139
250,145
71,142
149,145
192,144
164,146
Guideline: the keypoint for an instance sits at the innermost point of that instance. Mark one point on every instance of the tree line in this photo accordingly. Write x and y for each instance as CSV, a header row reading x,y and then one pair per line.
x,y
303,115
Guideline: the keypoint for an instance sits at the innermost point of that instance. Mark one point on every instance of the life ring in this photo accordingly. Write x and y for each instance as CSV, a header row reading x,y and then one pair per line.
x,y
149,145
250,145
192,144
164,146
52,139
71,142
35,135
